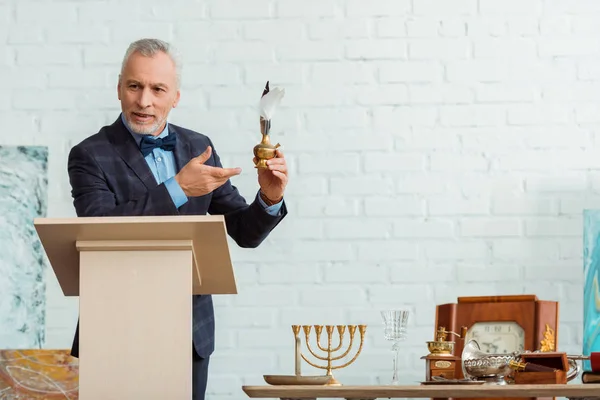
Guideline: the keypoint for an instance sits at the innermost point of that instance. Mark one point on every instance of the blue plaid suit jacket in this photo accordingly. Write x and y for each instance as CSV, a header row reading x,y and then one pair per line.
x,y
110,177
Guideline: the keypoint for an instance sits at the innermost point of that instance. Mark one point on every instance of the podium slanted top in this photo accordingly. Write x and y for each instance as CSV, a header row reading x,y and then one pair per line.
x,y
211,261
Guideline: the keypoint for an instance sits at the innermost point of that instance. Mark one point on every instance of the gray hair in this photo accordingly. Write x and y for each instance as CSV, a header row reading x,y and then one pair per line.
x,y
148,48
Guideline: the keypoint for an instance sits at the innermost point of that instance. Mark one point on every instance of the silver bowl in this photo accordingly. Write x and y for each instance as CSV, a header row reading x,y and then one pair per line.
x,y
491,368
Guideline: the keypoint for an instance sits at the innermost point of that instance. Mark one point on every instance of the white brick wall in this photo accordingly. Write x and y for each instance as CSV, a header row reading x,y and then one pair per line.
x,y
437,148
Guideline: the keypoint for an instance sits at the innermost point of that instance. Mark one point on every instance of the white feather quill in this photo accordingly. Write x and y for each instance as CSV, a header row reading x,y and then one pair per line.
x,y
270,101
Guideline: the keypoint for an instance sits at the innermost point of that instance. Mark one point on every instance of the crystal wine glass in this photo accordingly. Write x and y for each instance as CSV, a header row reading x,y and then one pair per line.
x,y
394,329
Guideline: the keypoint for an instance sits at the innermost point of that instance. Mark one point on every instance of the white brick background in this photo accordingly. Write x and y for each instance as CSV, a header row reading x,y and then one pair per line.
x,y
437,148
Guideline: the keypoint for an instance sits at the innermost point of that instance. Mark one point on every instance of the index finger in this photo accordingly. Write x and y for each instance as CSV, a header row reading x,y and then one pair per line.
x,y
227,172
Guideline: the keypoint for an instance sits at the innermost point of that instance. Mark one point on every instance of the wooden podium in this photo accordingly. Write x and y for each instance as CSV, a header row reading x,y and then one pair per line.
x,y
135,277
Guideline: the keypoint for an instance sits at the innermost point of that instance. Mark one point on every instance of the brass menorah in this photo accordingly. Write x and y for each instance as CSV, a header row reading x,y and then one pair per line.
x,y
329,350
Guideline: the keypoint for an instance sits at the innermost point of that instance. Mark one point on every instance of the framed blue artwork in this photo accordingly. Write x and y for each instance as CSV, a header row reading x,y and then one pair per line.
x,y
23,197
591,292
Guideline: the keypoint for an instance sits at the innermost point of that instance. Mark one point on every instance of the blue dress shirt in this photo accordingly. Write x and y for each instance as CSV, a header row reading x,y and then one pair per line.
x,y
162,164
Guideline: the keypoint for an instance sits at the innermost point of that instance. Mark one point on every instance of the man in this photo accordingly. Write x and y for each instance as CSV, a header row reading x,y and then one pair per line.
x,y
143,165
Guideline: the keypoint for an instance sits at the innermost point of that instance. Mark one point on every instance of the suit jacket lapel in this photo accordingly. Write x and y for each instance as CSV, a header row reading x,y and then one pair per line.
x,y
125,146
182,153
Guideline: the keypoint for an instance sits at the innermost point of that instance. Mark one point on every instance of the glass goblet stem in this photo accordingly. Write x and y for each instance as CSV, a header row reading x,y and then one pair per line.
x,y
395,351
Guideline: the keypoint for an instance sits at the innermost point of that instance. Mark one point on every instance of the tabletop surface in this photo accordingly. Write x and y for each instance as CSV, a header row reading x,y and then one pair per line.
x,y
423,391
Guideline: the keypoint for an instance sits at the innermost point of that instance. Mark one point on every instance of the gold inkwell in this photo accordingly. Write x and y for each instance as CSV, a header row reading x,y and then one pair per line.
x,y
269,101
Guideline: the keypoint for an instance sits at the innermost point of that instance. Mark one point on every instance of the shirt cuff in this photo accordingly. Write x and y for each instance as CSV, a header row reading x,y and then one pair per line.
x,y
271,210
177,195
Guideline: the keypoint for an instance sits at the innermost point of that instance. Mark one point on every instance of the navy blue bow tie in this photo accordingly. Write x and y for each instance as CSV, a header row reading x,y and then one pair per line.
x,y
148,143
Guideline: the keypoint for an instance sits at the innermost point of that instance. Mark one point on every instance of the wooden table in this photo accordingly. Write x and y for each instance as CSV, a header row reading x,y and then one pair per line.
x,y
422,391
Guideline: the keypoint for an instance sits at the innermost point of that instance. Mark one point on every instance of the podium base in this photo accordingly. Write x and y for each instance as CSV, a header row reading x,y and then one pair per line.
x,y
135,331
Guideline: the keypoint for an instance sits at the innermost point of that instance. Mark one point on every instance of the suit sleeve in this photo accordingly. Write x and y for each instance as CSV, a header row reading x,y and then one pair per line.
x,y
92,197
249,225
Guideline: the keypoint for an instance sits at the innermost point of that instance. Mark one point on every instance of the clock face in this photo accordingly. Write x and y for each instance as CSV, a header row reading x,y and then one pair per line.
x,y
497,337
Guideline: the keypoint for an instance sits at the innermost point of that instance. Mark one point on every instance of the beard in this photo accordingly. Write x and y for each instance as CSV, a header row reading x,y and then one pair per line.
x,y
144,129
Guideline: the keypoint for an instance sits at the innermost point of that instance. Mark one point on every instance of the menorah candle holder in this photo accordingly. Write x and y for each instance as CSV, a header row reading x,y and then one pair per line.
x,y
330,355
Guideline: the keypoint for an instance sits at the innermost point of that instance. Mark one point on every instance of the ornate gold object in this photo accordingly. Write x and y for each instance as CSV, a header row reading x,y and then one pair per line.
x,y
548,343
265,150
440,345
517,366
330,350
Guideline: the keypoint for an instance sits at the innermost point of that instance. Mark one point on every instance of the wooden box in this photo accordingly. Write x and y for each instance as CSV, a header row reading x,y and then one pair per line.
x,y
555,360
